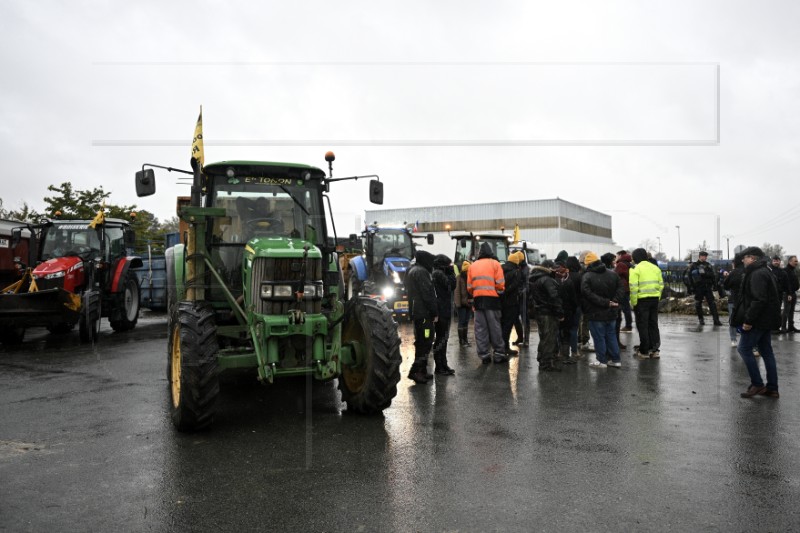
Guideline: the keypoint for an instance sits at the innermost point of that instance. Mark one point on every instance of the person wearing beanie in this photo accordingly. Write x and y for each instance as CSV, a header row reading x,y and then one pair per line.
x,y
562,256
510,299
423,307
569,301
601,290
646,284
485,283
463,302
731,283
575,274
757,313
549,312
590,258
622,269
444,283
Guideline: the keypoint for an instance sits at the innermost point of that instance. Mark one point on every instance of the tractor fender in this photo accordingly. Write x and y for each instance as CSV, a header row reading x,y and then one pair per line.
x,y
359,267
177,262
121,270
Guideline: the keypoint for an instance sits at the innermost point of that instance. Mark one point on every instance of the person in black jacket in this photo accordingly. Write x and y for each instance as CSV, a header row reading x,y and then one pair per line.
x,y
509,313
568,292
787,321
549,312
783,284
444,282
424,312
731,283
757,312
602,292
702,280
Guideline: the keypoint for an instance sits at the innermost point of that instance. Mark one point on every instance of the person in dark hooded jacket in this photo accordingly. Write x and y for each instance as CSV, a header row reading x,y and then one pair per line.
x,y
549,312
568,293
757,313
510,299
622,268
444,282
485,283
602,291
424,309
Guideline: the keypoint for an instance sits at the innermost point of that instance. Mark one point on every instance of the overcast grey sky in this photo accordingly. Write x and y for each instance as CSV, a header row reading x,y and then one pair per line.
x,y
657,113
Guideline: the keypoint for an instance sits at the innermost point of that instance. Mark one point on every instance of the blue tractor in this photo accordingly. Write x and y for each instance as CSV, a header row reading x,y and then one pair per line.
x,y
380,270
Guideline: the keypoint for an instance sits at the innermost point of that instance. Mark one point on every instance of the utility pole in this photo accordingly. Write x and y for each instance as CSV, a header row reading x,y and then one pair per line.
x,y
728,244
680,258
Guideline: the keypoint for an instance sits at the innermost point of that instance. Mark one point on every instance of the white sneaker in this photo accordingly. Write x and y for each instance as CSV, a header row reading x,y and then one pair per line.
x,y
597,364
614,364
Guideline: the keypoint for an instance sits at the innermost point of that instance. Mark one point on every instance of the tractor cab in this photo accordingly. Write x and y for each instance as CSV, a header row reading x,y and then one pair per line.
x,y
468,246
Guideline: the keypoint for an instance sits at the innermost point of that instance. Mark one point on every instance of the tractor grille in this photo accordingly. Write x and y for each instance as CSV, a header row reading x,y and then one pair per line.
x,y
45,284
282,270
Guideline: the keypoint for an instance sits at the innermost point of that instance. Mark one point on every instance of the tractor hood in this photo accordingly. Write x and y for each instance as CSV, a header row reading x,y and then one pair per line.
x,y
278,247
67,265
395,264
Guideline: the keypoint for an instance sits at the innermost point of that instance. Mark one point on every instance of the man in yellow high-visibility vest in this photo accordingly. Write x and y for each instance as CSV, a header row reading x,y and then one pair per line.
x,y
646,284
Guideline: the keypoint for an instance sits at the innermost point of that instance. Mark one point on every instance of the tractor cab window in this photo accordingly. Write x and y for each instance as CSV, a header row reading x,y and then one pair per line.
x,y
69,239
115,242
268,211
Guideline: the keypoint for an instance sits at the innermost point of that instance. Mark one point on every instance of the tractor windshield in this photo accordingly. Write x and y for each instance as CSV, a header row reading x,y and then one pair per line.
x,y
391,243
267,211
69,239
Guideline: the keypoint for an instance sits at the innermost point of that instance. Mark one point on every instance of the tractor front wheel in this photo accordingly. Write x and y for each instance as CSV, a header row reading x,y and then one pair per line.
x,y
127,313
369,384
192,372
89,322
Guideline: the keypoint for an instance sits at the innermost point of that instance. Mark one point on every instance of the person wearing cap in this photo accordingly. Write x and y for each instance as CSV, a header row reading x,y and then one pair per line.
x,y
510,298
424,312
702,279
463,302
601,289
444,283
646,283
485,283
549,312
757,313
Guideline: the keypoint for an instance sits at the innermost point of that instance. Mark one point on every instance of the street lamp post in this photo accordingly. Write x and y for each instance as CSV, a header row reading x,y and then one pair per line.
x,y
728,244
679,243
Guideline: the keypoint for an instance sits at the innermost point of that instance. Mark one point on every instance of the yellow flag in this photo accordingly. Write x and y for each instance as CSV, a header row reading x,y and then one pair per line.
x,y
198,157
99,218
516,234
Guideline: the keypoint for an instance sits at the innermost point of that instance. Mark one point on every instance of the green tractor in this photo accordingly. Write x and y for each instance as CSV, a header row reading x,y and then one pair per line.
x,y
257,285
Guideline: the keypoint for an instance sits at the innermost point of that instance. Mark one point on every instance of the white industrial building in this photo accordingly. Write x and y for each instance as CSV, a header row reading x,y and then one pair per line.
x,y
553,225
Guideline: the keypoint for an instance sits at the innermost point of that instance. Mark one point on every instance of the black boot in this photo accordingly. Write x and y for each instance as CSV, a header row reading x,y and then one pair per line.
x,y
418,374
463,337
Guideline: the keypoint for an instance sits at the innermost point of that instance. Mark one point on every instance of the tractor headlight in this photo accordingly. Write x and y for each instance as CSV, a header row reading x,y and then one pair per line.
x,y
55,275
282,291
396,277
388,292
266,291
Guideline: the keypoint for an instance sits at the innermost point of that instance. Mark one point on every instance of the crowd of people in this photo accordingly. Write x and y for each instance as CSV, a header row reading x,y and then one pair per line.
x,y
574,298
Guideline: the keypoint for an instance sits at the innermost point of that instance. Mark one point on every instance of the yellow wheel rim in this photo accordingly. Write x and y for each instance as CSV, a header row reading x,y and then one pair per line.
x,y
175,362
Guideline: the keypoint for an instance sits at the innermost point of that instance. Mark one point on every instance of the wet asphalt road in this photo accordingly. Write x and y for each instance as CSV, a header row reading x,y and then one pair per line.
x,y
85,445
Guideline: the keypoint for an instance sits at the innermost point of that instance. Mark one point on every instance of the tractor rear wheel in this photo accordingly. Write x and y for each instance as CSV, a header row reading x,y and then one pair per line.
x,y
192,372
369,385
127,312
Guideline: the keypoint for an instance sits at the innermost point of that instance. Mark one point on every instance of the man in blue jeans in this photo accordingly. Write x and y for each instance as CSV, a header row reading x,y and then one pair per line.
x,y
602,291
758,312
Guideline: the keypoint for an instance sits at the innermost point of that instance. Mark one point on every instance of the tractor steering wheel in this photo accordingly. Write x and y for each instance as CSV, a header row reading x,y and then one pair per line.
x,y
273,225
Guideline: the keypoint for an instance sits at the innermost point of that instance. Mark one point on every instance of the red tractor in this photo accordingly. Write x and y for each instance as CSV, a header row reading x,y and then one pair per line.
x,y
77,272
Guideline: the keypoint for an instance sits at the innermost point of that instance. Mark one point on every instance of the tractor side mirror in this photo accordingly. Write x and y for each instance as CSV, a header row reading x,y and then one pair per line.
x,y
376,192
429,238
145,182
16,237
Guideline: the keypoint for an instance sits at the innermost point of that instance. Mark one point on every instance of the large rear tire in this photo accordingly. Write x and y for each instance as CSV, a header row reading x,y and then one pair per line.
x,y
369,385
127,313
192,371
